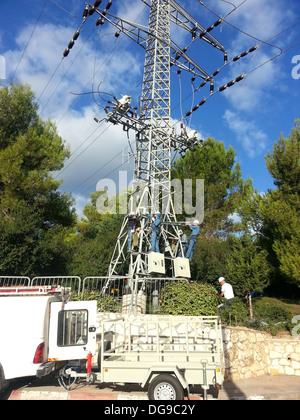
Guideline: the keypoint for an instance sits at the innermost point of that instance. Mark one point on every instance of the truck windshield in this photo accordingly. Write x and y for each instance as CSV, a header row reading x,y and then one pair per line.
x,y
72,328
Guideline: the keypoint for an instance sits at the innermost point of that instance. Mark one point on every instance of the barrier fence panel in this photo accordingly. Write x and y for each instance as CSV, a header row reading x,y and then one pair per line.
x,y
66,281
11,281
158,293
107,291
116,294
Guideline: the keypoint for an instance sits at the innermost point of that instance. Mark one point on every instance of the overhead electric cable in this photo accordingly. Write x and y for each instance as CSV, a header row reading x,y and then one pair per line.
x,y
100,169
28,42
65,10
238,29
89,145
238,79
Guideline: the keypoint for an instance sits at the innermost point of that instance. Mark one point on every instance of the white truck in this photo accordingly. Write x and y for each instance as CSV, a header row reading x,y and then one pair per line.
x,y
42,332
39,329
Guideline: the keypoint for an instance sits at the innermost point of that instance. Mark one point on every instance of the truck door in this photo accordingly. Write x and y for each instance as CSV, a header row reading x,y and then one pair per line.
x,y
72,330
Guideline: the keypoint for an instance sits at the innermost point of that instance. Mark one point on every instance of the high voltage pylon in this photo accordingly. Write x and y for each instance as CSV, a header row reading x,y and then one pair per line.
x,y
155,139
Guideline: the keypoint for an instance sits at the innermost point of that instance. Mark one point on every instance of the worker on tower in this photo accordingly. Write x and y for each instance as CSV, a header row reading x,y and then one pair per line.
x,y
193,238
184,242
132,221
155,229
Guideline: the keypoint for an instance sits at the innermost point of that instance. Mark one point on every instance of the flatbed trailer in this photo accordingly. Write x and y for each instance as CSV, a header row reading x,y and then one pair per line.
x,y
165,354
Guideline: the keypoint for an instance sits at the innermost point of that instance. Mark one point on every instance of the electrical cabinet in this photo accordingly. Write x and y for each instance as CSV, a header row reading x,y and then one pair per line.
x,y
156,263
181,267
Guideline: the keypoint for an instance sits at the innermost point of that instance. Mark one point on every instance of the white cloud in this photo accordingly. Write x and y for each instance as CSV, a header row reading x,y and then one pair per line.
x,y
253,92
251,137
262,19
92,145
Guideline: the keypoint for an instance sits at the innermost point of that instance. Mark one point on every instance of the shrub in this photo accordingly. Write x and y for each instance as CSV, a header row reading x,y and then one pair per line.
x,y
272,315
182,298
236,314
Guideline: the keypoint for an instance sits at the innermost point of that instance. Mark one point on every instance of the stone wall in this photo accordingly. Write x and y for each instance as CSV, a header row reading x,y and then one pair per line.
x,y
249,353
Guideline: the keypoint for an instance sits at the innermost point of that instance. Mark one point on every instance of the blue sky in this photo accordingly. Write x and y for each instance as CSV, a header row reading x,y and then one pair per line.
x,y
250,116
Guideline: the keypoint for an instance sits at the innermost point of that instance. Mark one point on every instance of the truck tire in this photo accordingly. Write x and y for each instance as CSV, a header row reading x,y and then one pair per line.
x,y
2,379
65,380
165,387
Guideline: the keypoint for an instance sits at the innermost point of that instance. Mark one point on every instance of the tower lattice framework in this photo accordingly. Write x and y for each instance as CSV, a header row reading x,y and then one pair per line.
x,y
152,161
155,140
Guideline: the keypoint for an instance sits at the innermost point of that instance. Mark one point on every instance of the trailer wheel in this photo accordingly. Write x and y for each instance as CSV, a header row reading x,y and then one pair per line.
x,y
165,387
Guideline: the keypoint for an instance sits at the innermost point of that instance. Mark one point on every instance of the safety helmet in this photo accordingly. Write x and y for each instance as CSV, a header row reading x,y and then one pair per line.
x,y
221,279
196,222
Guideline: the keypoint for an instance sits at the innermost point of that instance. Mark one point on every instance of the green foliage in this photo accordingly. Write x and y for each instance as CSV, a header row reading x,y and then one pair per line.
x,y
284,163
272,315
182,298
18,112
209,261
247,268
236,314
109,304
224,187
94,241
33,213
281,233
105,303
280,209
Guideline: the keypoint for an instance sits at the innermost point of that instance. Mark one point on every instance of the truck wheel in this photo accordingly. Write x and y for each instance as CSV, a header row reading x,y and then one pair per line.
x,y
65,381
165,387
1,379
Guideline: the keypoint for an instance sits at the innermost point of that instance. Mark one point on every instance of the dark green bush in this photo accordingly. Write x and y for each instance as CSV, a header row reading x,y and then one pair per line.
x,y
236,314
105,303
272,315
182,298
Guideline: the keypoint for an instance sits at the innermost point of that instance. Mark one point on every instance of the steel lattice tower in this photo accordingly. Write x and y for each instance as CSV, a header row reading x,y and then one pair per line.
x,y
155,141
152,166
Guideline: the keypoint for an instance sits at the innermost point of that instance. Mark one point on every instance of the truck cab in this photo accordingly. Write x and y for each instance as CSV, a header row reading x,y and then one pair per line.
x,y
39,328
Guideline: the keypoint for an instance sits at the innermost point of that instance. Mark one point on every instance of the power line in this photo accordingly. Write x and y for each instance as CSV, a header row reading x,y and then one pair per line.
x,y
238,29
65,10
238,79
28,42
100,169
64,75
65,167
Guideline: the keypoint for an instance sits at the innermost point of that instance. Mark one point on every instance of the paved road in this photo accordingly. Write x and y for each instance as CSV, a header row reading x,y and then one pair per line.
x,y
261,388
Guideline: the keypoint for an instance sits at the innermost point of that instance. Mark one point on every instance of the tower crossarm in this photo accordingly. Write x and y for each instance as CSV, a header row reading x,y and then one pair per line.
x,y
182,18
192,25
140,34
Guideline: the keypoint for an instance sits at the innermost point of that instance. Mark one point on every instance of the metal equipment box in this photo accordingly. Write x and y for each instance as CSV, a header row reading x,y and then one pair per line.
x,y
182,267
156,263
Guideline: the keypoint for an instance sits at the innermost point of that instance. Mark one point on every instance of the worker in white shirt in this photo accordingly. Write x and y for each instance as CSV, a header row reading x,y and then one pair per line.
x,y
226,291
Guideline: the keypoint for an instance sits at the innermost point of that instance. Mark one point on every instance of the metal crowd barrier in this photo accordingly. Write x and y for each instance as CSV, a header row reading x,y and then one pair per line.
x,y
11,281
114,294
